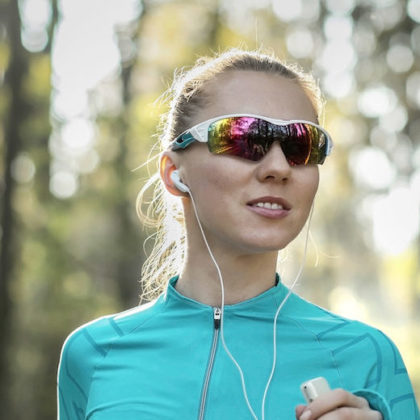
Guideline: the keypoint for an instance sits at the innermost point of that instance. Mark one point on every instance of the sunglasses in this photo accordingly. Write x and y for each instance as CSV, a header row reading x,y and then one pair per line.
x,y
251,136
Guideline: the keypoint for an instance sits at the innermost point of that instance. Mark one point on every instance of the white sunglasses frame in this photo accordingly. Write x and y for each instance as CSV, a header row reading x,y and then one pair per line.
x,y
199,132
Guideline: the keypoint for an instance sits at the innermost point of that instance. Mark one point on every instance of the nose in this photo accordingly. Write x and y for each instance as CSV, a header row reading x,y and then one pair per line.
x,y
274,165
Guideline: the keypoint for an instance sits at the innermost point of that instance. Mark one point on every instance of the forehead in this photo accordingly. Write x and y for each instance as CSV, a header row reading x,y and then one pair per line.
x,y
255,92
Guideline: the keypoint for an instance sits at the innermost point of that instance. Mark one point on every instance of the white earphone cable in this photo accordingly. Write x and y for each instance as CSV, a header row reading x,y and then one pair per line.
x,y
222,308
275,318
273,367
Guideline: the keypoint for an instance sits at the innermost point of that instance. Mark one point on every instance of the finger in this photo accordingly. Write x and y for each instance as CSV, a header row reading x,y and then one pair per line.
x,y
330,401
346,413
299,410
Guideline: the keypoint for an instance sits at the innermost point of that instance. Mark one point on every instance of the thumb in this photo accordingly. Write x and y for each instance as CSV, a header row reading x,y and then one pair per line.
x,y
299,410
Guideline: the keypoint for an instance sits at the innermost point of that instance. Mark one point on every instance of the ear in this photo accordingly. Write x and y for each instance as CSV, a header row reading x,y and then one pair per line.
x,y
166,167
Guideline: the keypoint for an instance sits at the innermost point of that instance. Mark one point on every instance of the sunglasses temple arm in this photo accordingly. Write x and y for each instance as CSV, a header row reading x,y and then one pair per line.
x,y
182,141
196,133
329,146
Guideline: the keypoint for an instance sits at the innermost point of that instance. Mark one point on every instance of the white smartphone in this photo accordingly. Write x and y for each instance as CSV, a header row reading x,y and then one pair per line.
x,y
314,388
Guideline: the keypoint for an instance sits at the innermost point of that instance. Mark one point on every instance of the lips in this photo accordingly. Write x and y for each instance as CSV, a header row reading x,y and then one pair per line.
x,y
270,203
270,207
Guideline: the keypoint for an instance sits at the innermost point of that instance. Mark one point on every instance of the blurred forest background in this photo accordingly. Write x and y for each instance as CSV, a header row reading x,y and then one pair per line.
x,y
81,87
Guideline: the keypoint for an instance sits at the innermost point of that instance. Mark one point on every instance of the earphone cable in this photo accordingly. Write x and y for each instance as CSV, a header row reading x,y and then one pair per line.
x,y
273,367
222,308
275,317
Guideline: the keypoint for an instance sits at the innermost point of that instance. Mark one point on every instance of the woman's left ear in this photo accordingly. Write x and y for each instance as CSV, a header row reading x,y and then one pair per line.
x,y
166,168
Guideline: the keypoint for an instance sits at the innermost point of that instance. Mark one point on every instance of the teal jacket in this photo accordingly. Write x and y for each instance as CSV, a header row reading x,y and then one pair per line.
x,y
165,361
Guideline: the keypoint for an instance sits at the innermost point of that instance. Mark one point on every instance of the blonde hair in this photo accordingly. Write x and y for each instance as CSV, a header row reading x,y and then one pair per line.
x,y
187,93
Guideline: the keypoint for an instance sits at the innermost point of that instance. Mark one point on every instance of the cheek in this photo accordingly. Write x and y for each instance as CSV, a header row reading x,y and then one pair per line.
x,y
309,187
217,177
214,178
315,186
312,181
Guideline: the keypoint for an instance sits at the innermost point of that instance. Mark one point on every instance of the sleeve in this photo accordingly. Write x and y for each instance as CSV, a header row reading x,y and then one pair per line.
x,y
387,386
77,362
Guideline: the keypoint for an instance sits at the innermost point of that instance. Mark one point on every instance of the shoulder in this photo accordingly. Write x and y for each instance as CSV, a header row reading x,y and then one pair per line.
x,y
339,333
354,345
365,357
86,345
84,350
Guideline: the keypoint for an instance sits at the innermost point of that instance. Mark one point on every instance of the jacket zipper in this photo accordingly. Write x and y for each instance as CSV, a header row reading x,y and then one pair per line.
x,y
216,320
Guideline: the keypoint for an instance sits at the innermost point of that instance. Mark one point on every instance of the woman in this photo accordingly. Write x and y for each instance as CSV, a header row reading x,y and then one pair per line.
x,y
245,194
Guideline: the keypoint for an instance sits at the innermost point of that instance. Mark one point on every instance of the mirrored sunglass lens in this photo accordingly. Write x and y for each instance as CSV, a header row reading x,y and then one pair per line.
x,y
239,136
301,143
251,138
316,143
297,143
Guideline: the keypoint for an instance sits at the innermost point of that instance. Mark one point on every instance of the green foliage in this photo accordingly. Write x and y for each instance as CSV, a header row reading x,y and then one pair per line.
x,y
79,256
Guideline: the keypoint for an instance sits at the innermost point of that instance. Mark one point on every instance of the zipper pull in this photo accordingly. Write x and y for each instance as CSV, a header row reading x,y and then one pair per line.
x,y
216,317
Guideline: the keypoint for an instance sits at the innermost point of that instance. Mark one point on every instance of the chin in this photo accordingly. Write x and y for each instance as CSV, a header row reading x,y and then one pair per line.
x,y
266,246
270,243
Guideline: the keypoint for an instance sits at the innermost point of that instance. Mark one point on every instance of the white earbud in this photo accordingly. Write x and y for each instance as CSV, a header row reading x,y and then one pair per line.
x,y
178,183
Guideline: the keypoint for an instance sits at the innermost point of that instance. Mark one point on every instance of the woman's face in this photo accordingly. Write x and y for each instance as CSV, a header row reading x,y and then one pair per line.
x,y
228,190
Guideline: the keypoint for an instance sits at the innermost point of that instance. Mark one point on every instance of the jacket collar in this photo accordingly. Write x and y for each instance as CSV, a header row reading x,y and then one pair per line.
x,y
267,301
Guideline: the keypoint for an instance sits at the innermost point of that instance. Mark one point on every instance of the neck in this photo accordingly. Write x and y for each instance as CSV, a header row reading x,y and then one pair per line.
x,y
244,276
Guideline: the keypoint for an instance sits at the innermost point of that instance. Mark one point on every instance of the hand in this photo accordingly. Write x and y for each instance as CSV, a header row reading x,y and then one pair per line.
x,y
337,404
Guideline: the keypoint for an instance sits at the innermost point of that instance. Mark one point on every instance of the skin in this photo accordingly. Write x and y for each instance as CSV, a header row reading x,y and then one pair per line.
x,y
337,404
244,242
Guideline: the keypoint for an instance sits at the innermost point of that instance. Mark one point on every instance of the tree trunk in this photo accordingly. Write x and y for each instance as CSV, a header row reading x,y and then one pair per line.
x,y
15,114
